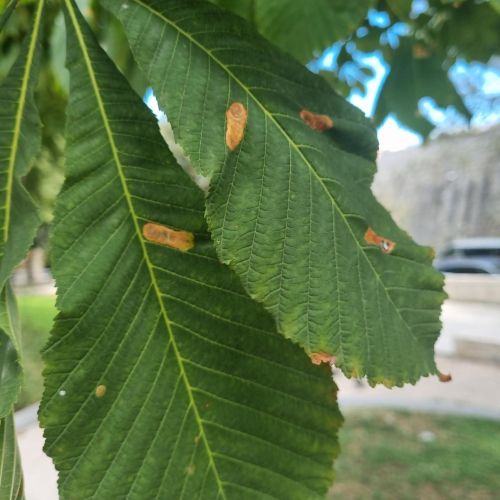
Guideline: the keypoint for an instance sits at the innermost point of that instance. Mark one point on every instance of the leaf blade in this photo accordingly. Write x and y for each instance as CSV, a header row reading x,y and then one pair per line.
x,y
6,13
289,209
10,349
11,479
157,357
19,143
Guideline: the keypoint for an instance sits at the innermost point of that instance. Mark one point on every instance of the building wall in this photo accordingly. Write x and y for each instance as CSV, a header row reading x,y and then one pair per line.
x,y
448,188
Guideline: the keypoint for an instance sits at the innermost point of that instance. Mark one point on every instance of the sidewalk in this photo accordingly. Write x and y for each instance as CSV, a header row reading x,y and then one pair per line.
x,y
470,330
40,476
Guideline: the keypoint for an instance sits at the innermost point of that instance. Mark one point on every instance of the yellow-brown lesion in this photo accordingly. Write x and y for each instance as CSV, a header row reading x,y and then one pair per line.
x,y
316,121
236,122
322,357
163,235
100,391
372,238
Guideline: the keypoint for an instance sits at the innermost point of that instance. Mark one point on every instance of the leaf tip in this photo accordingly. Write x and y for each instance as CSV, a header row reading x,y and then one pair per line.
x,y
444,377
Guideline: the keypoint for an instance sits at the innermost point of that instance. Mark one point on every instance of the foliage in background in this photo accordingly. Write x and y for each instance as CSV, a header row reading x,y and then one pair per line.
x,y
420,44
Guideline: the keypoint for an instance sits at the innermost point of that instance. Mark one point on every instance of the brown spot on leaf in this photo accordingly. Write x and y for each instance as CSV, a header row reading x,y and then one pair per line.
x,y
372,238
100,391
420,51
444,377
163,235
315,121
321,357
236,116
190,470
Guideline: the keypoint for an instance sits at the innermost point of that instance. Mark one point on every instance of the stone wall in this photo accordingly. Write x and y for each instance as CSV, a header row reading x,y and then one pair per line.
x,y
448,188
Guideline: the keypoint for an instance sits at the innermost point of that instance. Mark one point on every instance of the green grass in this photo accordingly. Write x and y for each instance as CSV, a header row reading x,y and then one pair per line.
x,y
384,456
36,313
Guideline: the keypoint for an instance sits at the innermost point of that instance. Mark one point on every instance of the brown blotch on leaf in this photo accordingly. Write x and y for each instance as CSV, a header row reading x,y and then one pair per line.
x,y
236,116
444,377
190,470
321,357
372,238
163,235
100,391
420,51
315,121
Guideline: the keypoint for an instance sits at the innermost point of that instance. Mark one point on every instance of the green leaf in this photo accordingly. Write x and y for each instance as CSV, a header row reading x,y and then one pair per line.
x,y
11,479
416,72
298,27
401,8
10,366
163,379
8,9
11,487
289,208
19,143
469,30
496,5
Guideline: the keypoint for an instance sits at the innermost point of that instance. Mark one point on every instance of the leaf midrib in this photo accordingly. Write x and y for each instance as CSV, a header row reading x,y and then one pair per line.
x,y
247,90
19,115
147,260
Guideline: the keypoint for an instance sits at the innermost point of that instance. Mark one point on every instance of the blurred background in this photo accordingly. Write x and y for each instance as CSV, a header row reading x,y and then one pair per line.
x,y
428,74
